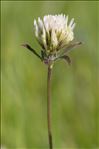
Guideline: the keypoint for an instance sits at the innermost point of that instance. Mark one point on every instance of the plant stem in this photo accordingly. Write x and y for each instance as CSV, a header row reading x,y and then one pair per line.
x,y
49,106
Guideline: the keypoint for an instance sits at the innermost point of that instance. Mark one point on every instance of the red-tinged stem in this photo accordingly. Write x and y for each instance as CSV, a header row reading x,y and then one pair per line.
x,y
49,106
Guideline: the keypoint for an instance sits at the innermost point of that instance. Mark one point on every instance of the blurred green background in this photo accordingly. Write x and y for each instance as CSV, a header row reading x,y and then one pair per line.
x,y
75,89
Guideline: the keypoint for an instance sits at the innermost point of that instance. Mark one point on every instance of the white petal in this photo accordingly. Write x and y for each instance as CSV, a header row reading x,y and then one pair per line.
x,y
71,22
54,39
40,24
35,23
73,26
36,28
66,19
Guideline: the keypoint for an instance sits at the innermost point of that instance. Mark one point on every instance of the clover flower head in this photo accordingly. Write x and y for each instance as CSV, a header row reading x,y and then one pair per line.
x,y
56,37
53,32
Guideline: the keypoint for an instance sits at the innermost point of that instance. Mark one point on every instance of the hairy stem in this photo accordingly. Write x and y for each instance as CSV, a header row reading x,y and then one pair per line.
x,y
49,106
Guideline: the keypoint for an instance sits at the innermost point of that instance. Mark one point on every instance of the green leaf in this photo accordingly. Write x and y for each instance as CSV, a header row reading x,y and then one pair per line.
x,y
70,47
32,50
66,58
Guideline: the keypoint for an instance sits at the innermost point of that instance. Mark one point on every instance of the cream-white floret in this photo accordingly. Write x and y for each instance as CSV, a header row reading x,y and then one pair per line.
x,y
53,32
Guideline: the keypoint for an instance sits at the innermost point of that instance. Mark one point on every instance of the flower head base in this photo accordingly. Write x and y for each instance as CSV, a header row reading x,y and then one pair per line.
x,y
53,32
